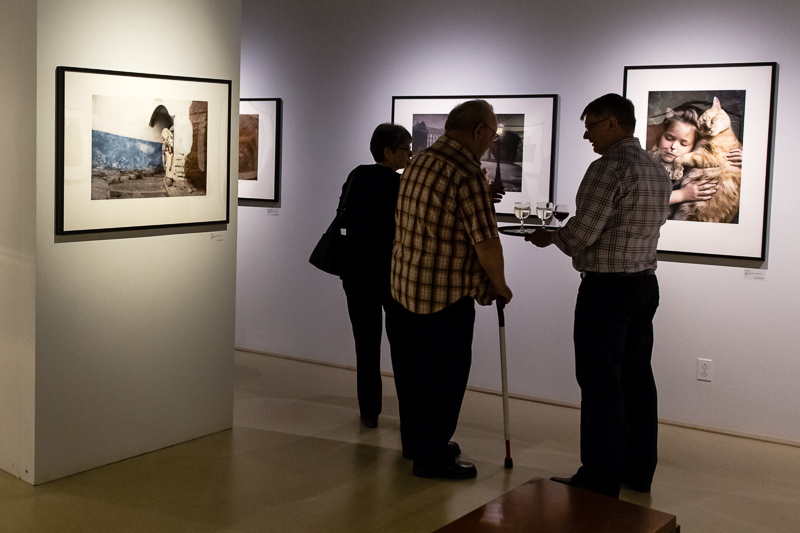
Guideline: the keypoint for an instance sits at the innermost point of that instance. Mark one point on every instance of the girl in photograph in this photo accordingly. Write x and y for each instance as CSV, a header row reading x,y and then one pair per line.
x,y
679,135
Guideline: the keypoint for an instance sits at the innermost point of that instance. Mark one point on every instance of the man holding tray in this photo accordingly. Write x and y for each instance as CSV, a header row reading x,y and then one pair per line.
x,y
622,202
446,256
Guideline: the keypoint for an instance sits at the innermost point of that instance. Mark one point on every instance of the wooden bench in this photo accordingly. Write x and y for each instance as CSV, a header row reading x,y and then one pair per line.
x,y
544,506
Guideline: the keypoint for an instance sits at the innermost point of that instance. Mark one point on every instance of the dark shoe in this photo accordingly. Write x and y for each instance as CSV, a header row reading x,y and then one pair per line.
x,y
371,423
456,470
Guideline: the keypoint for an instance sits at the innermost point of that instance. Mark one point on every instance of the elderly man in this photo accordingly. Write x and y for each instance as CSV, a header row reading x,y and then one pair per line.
x,y
621,204
446,256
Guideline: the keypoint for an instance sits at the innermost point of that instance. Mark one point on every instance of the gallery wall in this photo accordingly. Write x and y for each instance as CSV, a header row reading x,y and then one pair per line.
x,y
337,67
134,330
17,236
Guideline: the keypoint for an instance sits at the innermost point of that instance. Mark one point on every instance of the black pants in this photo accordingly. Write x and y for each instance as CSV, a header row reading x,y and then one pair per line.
x,y
365,305
431,356
613,338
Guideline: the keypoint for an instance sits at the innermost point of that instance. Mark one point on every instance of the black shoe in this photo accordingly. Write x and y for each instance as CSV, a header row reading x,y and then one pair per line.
x,y
456,470
371,423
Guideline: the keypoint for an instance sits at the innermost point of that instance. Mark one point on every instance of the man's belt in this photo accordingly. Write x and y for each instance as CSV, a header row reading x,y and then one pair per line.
x,y
648,272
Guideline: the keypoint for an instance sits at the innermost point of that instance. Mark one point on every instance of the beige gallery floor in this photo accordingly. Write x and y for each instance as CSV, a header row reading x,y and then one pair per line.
x,y
297,460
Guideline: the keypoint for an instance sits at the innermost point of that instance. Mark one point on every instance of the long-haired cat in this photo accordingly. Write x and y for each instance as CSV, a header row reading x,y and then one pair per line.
x,y
709,161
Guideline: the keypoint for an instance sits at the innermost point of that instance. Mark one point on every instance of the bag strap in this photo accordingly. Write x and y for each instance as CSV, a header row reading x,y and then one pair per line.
x,y
343,199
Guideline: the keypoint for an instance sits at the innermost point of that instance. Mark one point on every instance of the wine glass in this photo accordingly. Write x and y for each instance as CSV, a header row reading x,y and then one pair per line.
x,y
522,210
544,210
561,213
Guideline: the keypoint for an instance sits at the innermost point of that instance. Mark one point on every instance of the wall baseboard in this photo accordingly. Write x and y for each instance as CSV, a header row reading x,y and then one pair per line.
x,y
546,401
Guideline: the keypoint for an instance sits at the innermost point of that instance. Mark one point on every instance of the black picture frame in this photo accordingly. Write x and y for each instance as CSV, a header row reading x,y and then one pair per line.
x,y
747,92
137,151
525,154
260,153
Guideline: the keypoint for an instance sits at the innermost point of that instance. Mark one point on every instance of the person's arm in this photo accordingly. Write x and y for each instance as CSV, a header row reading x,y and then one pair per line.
x,y
700,191
594,205
490,256
496,187
695,191
540,237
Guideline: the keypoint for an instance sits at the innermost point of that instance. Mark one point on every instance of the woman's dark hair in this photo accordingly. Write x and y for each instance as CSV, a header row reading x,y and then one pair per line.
x,y
390,136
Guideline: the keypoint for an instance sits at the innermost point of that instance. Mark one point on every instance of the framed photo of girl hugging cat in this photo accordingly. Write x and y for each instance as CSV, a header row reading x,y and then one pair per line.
x,y
711,128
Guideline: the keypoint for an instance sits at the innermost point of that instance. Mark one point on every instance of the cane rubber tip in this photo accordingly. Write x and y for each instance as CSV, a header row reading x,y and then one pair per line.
x,y
509,463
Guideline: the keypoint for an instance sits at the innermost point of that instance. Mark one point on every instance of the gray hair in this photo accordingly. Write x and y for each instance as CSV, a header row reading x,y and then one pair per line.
x,y
466,116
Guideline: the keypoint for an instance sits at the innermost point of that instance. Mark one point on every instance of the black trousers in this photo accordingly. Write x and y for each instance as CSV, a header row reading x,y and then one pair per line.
x,y
366,303
431,356
613,337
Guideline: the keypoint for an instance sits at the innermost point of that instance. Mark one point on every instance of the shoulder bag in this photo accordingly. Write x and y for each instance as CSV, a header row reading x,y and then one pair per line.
x,y
330,253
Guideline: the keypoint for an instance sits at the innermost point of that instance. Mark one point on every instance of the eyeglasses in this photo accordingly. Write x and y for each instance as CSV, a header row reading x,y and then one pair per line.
x,y
589,126
496,135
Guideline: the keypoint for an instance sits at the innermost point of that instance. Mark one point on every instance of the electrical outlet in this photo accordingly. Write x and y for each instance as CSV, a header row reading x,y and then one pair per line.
x,y
704,369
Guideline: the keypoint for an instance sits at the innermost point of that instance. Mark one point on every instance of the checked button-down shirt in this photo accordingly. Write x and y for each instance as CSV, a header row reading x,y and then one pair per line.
x,y
444,207
621,205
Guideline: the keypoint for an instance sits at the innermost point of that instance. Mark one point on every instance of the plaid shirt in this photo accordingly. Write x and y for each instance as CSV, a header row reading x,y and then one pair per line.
x,y
621,204
444,207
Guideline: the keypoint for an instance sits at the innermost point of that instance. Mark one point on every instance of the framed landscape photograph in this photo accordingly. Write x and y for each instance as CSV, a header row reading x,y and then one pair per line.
x,y
522,158
259,148
139,151
711,126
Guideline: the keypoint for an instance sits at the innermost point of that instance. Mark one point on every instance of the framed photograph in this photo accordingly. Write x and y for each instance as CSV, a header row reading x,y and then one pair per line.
x,y
259,148
711,126
522,158
139,151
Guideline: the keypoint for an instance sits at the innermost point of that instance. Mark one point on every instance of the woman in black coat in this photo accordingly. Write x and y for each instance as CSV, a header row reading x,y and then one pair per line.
x,y
369,222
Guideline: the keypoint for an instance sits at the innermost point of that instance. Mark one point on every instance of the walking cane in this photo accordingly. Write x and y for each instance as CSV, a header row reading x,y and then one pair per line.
x,y
501,319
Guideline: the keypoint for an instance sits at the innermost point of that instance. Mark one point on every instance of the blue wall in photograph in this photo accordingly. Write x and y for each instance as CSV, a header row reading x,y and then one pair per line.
x,y
124,153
